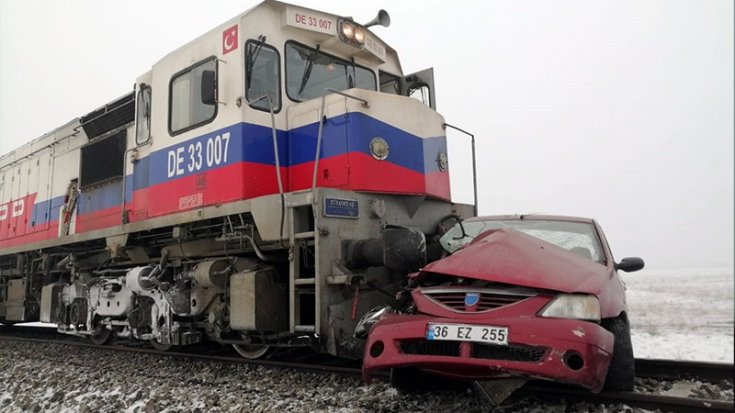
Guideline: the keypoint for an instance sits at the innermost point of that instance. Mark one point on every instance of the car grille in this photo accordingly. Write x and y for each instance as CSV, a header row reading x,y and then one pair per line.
x,y
509,353
513,352
430,348
455,300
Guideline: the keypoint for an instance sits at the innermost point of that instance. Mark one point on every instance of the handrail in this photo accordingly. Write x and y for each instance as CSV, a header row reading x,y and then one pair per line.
x,y
474,163
365,103
277,157
123,218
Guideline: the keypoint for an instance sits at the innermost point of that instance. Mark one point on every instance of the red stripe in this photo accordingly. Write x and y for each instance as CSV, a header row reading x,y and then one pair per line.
x,y
244,180
103,218
361,172
437,185
42,235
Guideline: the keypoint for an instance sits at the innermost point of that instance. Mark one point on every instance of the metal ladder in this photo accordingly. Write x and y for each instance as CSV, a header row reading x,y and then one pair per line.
x,y
300,235
303,284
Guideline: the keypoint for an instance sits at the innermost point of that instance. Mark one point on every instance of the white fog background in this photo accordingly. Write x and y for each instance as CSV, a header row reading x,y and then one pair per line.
x,y
617,110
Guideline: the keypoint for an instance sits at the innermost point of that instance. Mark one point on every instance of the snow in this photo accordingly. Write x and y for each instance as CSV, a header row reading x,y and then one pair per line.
x,y
681,314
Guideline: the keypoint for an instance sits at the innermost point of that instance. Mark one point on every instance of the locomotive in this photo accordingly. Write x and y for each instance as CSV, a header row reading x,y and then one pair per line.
x,y
263,186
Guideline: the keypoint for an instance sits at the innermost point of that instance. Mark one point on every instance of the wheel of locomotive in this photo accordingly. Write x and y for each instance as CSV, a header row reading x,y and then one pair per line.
x,y
252,351
621,373
160,346
78,313
101,336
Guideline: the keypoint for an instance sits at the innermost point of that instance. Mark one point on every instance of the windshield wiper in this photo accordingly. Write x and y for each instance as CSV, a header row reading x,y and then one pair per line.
x,y
253,55
350,79
307,70
464,234
307,73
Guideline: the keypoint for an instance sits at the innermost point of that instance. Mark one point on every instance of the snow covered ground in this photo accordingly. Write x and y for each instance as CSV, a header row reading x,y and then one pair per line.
x,y
681,314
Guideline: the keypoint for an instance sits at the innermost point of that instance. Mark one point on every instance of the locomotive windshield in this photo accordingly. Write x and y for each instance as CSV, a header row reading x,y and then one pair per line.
x,y
309,72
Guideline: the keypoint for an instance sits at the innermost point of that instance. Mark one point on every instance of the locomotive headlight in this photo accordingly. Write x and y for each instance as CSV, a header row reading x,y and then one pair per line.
x,y
359,35
577,306
348,30
379,148
352,33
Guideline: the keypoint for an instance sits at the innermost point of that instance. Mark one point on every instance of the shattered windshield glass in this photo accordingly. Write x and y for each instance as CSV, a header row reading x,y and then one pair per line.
x,y
577,237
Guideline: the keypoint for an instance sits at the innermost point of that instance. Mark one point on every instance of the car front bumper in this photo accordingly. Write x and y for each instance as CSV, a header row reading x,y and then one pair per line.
x,y
562,350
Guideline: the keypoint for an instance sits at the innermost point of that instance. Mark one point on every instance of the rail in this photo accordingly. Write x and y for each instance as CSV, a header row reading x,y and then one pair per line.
x,y
651,401
661,369
681,369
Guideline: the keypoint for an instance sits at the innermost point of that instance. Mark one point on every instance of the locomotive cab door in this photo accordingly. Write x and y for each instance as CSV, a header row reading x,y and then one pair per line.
x,y
138,164
420,85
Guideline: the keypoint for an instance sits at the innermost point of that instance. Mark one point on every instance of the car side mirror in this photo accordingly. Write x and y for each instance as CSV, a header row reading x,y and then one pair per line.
x,y
630,264
208,87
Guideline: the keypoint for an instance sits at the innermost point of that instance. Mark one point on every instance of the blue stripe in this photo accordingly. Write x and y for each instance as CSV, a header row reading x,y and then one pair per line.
x,y
99,198
351,132
139,179
432,148
42,214
247,142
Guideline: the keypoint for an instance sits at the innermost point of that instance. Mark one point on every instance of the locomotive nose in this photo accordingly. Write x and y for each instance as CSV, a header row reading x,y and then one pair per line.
x,y
400,249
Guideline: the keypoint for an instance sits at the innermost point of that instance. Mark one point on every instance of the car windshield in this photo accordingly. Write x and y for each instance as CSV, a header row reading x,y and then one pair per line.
x,y
578,237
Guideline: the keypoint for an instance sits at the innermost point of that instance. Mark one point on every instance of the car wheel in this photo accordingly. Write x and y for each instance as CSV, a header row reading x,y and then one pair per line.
x,y
621,374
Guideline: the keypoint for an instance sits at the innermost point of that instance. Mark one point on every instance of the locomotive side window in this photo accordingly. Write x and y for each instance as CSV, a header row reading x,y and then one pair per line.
x,y
262,76
309,72
390,83
143,116
187,108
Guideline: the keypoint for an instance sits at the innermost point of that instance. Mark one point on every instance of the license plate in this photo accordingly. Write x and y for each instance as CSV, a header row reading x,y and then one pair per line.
x,y
468,332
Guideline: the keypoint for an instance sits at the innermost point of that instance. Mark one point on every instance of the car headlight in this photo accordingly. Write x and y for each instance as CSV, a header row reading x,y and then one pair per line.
x,y
577,306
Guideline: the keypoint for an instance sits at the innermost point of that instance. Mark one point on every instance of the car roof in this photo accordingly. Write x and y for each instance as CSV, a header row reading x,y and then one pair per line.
x,y
530,217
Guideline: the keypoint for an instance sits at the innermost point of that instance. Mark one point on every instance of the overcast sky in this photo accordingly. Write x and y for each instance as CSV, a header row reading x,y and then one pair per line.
x,y
617,110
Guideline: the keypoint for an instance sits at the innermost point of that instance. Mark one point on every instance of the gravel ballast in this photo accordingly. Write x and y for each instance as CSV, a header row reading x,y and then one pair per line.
x,y
56,378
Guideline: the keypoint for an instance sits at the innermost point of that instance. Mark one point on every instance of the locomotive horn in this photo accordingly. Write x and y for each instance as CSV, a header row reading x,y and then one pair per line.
x,y
383,19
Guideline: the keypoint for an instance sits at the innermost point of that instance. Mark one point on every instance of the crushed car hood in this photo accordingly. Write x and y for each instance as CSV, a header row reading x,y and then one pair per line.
x,y
511,257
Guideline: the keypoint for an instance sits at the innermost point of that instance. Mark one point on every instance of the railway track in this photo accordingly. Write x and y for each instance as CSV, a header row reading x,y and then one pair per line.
x,y
646,368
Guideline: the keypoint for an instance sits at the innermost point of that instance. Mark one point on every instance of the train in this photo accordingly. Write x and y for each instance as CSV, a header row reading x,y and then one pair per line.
x,y
263,186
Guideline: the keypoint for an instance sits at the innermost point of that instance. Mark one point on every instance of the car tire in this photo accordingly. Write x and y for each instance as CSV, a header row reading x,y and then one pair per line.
x,y
621,373
406,379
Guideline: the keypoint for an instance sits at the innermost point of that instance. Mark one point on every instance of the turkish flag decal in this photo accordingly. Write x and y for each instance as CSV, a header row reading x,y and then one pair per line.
x,y
229,40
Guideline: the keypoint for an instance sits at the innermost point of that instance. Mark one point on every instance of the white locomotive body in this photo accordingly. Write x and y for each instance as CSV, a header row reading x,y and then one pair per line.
x,y
264,185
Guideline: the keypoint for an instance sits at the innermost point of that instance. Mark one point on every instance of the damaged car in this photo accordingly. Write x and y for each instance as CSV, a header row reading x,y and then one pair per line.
x,y
522,296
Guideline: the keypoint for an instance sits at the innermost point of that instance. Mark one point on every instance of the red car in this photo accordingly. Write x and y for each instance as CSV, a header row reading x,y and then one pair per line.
x,y
520,296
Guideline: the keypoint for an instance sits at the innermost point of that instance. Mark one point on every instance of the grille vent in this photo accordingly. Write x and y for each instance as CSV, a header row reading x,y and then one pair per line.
x,y
489,299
